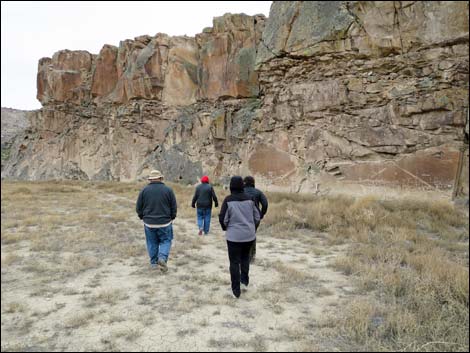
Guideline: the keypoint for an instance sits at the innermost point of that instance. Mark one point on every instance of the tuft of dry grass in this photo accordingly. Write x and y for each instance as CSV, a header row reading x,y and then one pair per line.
x,y
107,296
15,307
78,319
10,259
129,333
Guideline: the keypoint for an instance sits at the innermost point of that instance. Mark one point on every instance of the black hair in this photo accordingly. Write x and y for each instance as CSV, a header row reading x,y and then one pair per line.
x,y
249,181
236,184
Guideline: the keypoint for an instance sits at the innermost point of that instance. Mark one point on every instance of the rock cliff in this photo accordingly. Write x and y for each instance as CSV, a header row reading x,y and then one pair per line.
x,y
14,123
370,92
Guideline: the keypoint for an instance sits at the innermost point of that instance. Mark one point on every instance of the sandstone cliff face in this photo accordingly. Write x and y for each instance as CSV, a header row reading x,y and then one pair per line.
x,y
372,91
14,123
362,91
151,103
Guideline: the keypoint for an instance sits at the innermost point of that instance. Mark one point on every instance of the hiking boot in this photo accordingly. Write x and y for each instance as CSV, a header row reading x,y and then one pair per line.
x,y
153,266
162,265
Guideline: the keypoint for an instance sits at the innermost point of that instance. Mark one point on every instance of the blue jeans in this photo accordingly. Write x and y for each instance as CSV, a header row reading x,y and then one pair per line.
x,y
204,219
158,242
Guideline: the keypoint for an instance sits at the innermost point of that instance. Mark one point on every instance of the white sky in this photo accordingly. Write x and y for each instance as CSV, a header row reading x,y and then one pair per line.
x,y
32,30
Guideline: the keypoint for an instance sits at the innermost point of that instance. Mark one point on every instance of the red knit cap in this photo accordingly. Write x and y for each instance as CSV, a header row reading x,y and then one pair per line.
x,y
205,179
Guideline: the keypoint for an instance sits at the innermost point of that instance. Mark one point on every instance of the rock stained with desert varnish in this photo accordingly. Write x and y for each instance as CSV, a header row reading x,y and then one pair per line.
x,y
362,91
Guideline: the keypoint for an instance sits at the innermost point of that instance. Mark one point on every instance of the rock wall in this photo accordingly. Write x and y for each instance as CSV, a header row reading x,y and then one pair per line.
x,y
14,123
370,92
366,91
153,102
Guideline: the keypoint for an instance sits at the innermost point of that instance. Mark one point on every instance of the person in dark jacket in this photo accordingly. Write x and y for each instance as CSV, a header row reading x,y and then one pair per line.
x,y
239,217
260,199
203,197
156,206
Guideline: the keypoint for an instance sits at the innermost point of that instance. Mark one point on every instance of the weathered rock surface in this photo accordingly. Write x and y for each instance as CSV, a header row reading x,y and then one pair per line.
x,y
14,123
367,91
373,92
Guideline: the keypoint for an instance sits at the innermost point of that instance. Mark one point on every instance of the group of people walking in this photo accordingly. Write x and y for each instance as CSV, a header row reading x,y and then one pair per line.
x,y
240,216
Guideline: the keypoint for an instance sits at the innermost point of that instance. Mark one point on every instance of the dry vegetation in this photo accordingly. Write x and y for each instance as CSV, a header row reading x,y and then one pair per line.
x,y
409,259
332,273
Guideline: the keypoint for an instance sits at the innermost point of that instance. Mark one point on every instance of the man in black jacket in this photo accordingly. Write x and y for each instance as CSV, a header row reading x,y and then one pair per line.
x,y
156,206
203,197
260,199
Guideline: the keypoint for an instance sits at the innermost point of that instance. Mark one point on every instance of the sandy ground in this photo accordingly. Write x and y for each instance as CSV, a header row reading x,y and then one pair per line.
x,y
127,306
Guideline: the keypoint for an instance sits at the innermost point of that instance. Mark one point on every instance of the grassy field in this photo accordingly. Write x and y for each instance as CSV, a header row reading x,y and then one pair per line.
x,y
332,273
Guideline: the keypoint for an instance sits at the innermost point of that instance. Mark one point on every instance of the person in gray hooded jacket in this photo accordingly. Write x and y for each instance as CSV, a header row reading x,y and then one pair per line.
x,y
239,217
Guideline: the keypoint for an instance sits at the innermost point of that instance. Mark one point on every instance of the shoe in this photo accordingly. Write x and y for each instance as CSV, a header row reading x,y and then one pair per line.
x,y
236,294
162,265
200,232
244,286
153,266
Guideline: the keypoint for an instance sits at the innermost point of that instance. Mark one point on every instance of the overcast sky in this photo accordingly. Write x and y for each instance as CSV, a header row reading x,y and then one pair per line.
x,y
32,30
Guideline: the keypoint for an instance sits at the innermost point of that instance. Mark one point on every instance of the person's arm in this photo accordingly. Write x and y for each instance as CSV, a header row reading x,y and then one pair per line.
x,y
139,207
256,216
214,197
222,214
195,197
173,204
264,204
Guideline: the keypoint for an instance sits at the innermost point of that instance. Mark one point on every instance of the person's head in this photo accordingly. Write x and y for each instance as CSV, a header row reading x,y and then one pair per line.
x,y
236,184
249,181
155,176
205,179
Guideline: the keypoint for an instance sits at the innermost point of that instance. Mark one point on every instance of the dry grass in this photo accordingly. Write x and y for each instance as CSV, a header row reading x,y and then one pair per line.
x,y
15,307
413,254
128,333
10,259
78,320
407,258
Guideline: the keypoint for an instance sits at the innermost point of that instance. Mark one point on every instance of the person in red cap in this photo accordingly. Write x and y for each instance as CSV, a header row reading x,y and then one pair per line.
x,y
203,197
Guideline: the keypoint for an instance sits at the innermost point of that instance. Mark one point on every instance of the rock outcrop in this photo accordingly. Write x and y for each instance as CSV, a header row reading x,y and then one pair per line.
x,y
370,92
14,123
373,91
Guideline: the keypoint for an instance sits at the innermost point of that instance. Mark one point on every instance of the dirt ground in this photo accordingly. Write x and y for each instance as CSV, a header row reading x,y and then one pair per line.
x,y
78,295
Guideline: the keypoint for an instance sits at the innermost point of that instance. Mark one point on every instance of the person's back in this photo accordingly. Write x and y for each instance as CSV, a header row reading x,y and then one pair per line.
x,y
259,198
156,206
202,199
239,217
204,196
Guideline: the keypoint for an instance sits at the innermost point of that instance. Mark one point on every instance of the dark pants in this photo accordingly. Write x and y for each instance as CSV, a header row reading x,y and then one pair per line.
x,y
239,256
253,252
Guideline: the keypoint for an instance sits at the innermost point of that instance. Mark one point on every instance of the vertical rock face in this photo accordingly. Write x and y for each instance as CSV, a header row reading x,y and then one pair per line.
x,y
176,71
228,54
65,77
149,103
14,123
364,91
368,91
